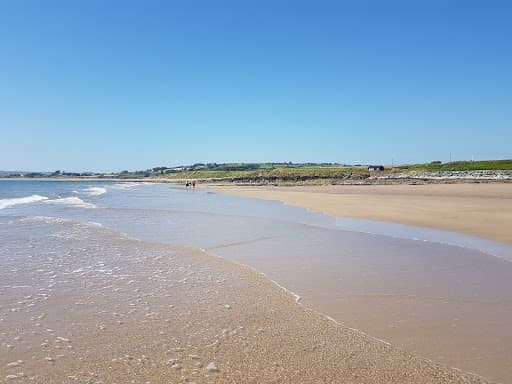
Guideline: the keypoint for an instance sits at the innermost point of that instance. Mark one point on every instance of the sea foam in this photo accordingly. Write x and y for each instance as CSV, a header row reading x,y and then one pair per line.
x,y
127,185
43,219
72,202
94,191
4,203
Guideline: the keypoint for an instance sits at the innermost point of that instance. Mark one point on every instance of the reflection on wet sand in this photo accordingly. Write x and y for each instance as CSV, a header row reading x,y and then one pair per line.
x,y
83,304
447,303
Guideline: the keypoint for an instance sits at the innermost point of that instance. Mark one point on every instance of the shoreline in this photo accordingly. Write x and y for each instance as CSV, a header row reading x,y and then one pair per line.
x,y
89,179
482,210
221,313
373,313
309,325
399,179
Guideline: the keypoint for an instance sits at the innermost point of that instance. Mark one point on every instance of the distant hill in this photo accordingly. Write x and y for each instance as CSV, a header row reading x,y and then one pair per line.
x,y
483,165
270,172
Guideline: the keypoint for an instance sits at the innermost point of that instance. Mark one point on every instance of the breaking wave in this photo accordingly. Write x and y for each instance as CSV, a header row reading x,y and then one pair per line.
x,y
127,185
72,202
4,203
56,220
94,191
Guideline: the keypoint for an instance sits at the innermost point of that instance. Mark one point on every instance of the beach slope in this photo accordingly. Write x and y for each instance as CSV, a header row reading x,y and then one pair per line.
x,y
121,310
483,210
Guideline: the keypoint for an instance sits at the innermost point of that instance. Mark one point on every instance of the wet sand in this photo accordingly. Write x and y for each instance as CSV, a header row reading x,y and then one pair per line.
x,y
450,304
483,210
90,306
447,303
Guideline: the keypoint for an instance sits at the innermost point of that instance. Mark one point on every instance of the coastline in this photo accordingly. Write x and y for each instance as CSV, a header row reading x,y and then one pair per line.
x,y
91,179
482,210
272,324
476,208
379,310
179,314
415,178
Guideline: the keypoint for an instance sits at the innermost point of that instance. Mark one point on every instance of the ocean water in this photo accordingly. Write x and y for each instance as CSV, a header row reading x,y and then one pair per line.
x,y
197,218
443,295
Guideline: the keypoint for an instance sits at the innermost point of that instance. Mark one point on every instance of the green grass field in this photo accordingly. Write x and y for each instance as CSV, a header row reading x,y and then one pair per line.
x,y
275,172
307,171
484,165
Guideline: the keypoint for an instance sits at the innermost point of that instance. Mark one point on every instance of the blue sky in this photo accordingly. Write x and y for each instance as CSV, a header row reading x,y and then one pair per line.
x,y
111,85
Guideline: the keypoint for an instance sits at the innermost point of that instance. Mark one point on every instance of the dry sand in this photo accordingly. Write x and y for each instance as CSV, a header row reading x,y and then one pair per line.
x,y
483,210
115,310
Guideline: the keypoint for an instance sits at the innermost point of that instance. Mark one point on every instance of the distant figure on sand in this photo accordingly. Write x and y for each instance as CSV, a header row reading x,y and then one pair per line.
x,y
194,184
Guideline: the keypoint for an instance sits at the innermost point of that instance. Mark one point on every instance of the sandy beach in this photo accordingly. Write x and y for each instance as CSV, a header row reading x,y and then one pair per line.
x,y
483,210
453,308
255,192
138,312
83,301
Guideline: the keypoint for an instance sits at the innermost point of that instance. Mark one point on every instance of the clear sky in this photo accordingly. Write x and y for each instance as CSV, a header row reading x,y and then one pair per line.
x,y
109,85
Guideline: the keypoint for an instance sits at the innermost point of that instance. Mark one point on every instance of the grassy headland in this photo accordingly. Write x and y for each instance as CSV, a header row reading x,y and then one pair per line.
x,y
312,171
293,173
437,166
268,171
273,172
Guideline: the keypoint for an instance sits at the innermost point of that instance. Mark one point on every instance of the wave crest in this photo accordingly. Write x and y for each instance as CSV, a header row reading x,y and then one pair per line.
x,y
4,203
72,202
95,191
